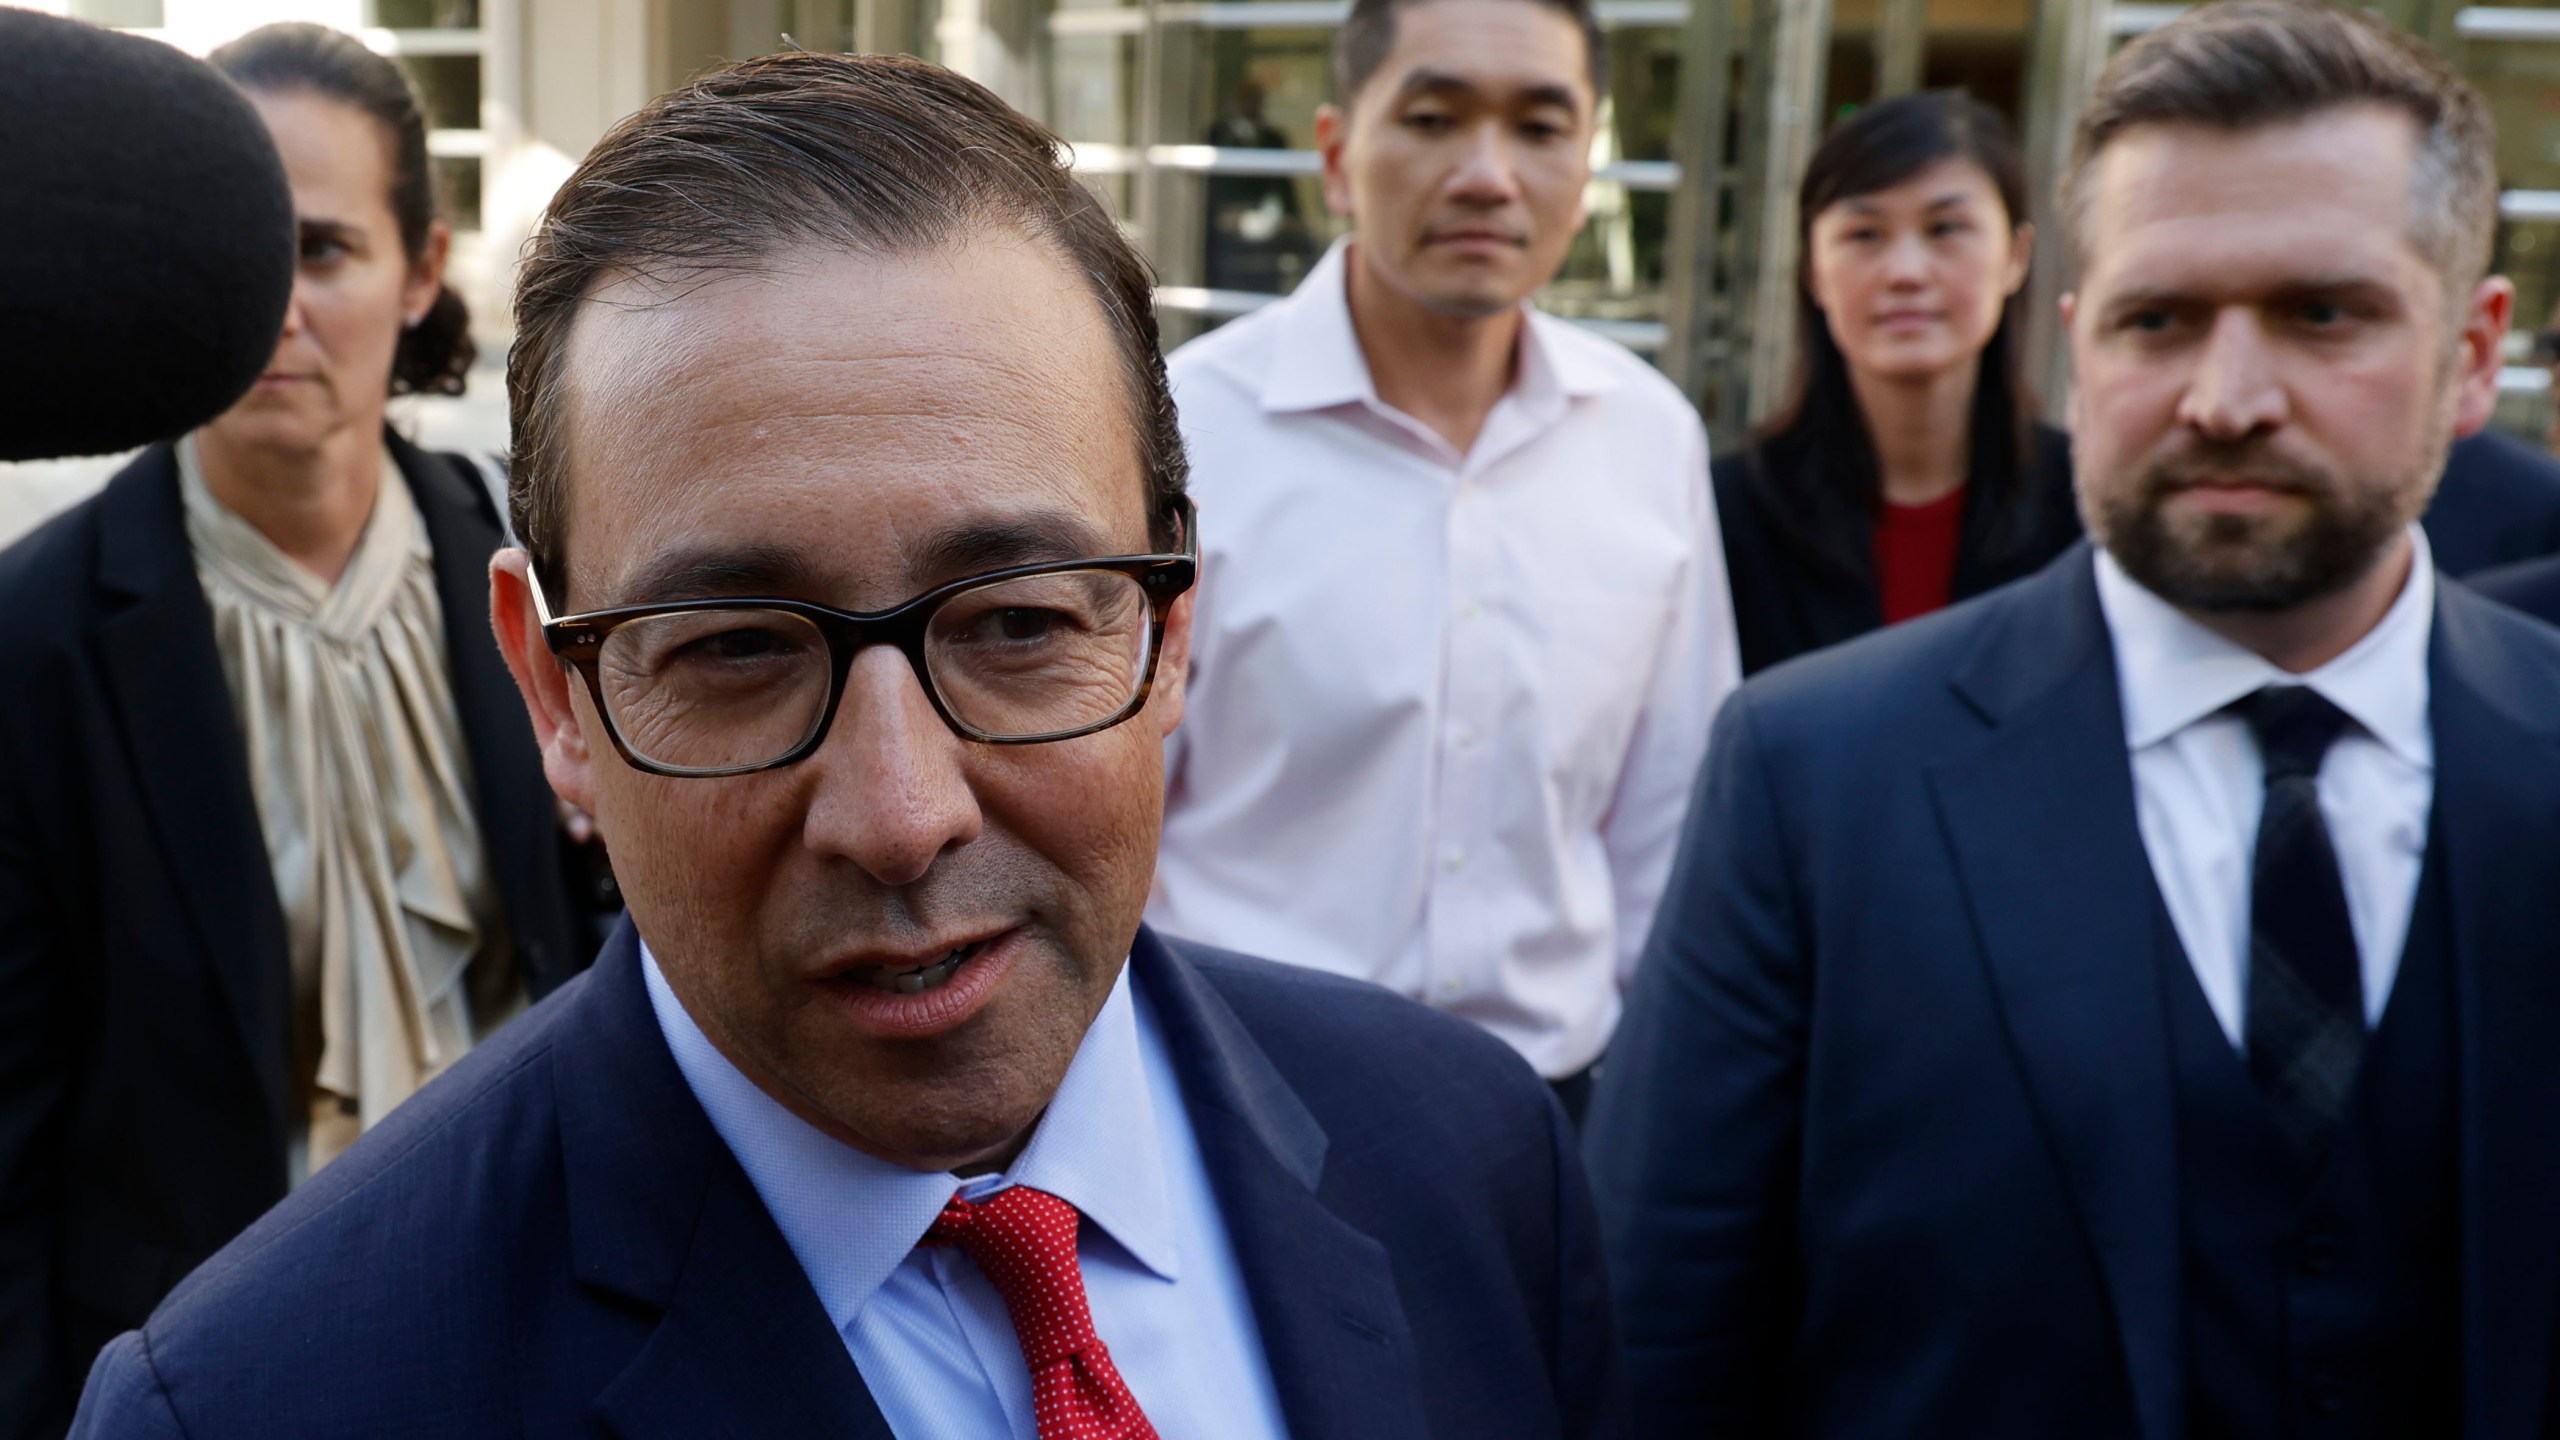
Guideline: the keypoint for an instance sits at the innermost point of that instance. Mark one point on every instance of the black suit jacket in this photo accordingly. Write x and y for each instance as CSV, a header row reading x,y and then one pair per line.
x,y
144,1026
2498,504
553,1240
2532,587
1885,1145
1788,554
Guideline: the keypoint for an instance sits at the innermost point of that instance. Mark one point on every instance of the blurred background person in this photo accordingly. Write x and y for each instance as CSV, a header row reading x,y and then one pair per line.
x,y
1908,470
145,272
275,847
1257,240
1463,621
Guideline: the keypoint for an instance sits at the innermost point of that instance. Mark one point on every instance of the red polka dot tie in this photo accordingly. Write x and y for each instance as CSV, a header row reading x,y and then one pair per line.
x,y
1024,1241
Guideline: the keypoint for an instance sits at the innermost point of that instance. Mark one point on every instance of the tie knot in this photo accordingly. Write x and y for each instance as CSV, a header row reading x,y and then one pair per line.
x,y
1024,1242
2295,726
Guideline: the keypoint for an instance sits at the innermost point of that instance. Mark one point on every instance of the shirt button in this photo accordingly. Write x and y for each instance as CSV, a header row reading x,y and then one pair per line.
x,y
1466,735
1457,860
1472,611
1449,986
2322,1253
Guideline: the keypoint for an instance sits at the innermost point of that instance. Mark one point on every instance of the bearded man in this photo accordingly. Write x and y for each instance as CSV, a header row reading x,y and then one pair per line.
x,y
2125,1006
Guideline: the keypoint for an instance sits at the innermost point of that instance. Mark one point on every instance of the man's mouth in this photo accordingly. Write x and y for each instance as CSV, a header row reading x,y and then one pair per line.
x,y
912,980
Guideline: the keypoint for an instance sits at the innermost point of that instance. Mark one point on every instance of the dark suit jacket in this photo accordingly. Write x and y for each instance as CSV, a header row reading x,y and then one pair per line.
x,y
2532,587
145,1032
2499,503
1885,1145
552,1240
1788,554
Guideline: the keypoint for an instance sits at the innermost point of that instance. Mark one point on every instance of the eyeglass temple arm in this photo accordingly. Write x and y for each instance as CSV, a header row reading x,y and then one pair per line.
x,y
533,583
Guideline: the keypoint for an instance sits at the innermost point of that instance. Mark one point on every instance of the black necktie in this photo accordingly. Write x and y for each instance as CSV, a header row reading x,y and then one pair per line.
x,y
2305,1029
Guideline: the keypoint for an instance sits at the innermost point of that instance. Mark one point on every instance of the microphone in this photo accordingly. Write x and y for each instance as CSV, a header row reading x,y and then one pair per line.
x,y
149,249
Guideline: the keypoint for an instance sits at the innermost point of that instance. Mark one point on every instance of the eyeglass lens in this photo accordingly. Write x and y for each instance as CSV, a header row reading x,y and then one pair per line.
x,y
708,690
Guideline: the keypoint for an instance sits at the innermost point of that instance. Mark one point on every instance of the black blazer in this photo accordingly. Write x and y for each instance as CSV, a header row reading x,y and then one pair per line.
x,y
2499,503
1886,1145
1793,589
552,1240
144,1026
2532,587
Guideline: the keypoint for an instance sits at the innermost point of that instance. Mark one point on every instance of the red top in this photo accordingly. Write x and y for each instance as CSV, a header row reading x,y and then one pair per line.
x,y
1916,555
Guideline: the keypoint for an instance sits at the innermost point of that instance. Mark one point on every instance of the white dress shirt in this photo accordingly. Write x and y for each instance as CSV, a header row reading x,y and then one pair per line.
x,y
1445,708
2199,780
929,1334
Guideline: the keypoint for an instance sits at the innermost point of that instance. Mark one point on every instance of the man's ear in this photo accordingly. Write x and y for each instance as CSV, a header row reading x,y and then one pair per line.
x,y
2022,254
2480,352
2070,308
1333,132
1173,666
550,697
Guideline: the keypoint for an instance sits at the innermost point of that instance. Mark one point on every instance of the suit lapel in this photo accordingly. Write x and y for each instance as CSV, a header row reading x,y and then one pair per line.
x,y
517,828
1324,1295
2041,821
744,1348
156,649
2497,807
661,1215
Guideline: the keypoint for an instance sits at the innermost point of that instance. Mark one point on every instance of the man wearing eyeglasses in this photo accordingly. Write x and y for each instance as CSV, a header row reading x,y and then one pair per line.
x,y
854,608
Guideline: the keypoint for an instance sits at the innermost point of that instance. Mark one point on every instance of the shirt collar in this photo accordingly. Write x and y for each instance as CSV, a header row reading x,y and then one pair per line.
x,y
1317,362
852,1219
2173,672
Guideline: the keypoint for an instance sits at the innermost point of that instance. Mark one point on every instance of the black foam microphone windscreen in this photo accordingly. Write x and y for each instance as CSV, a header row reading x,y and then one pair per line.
x,y
146,240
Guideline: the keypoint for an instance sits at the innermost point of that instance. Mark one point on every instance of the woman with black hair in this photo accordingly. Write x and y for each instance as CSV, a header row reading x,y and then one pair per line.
x,y
1906,472
275,846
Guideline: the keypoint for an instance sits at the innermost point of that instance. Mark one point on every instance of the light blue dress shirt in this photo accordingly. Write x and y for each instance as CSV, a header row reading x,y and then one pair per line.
x,y
927,1331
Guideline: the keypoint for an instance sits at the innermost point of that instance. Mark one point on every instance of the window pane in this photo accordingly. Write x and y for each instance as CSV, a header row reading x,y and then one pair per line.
x,y
121,14
458,189
1614,270
1643,103
424,14
1093,88
1258,87
2521,82
450,87
825,26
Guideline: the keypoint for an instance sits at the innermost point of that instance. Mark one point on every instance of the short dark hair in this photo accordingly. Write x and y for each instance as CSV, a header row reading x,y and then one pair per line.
x,y
2244,64
1369,34
435,354
875,154
1819,456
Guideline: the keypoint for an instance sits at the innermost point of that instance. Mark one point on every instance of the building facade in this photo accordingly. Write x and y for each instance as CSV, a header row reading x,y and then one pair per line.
x,y
1194,120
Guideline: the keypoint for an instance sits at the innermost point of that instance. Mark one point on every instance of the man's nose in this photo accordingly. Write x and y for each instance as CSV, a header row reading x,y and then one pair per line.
x,y
891,791
2235,390
1485,173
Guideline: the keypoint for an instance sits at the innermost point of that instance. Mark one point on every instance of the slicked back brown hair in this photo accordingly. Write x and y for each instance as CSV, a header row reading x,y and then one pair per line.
x,y
2242,64
867,154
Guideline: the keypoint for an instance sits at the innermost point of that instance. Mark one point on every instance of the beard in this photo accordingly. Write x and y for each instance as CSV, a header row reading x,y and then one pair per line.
x,y
2226,563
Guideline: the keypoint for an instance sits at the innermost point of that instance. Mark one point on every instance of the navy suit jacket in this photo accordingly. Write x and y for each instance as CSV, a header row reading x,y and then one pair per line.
x,y
552,1240
1885,1145
2532,587
2498,504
